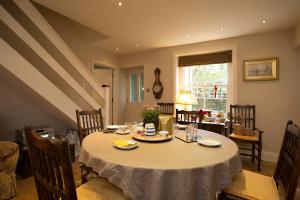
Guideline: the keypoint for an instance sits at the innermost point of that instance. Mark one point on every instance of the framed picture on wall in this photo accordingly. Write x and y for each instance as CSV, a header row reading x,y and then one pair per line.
x,y
261,69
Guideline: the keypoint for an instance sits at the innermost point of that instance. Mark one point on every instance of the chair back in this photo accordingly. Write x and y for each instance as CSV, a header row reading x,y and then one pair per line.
x,y
51,167
288,166
89,122
166,108
242,114
186,117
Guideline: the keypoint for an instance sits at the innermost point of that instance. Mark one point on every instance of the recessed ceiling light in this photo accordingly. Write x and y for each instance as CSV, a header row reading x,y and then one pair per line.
x,y
137,45
264,21
187,35
117,49
221,29
120,3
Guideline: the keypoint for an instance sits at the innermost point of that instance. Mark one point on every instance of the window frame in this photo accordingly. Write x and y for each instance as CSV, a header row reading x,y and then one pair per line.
x,y
181,85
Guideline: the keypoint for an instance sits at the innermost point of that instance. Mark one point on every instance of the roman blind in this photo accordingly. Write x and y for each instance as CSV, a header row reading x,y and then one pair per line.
x,y
205,59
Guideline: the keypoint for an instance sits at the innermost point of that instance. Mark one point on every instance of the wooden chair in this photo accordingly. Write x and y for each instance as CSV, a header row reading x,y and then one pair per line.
x,y
52,170
250,185
213,127
166,108
89,122
186,117
245,115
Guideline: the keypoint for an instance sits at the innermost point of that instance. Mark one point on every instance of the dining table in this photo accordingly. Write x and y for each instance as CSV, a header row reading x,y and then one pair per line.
x,y
172,169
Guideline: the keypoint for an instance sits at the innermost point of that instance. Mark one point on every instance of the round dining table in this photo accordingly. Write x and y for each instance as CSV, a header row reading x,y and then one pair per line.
x,y
173,169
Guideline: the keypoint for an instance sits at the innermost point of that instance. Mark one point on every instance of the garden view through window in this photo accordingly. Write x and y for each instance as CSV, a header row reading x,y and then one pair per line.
x,y
208,85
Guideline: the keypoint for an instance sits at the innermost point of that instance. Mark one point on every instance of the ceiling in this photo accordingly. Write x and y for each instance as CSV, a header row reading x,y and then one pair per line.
x,y
140,25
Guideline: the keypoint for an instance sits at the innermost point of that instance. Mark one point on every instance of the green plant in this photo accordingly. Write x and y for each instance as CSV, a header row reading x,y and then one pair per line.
x,y
150,113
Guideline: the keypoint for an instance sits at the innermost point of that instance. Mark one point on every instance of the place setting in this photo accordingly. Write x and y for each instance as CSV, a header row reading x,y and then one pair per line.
x,y
125,144
150,134
191,134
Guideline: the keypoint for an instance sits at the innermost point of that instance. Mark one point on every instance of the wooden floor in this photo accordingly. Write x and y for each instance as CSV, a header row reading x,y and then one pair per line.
x,y
26,187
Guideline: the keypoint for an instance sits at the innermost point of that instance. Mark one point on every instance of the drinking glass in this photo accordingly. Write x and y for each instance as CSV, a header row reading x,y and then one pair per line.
x,y
189,133
194,130
175,128
128,125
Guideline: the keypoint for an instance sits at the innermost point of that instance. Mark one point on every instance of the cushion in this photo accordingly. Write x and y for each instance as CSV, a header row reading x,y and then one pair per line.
x,y
244,137
7,149
100,189
250,185
9,153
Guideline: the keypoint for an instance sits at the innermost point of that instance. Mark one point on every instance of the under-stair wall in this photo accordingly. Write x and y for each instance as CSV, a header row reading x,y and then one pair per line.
x,y
36,55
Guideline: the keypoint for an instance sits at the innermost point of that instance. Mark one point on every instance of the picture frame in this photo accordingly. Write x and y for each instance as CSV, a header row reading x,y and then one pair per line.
x,y
265,69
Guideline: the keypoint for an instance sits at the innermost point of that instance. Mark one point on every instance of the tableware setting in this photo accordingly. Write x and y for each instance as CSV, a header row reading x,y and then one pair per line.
x,y
150,135
209,142
163,133
112,127
150,129
190,133
125,144
154,138
122,130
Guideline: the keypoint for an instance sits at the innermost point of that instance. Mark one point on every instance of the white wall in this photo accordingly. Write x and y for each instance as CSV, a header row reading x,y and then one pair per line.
x,y
19,108
276,101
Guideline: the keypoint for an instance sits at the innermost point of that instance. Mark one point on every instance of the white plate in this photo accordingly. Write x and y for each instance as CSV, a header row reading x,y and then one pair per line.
x,y
208,142
123,132
134,145
112,127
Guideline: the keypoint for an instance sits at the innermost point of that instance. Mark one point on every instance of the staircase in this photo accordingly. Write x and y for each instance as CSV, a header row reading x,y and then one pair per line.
x,y
35,55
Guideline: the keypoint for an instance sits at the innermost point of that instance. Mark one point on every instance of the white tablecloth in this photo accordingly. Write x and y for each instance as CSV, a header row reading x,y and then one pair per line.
x,y
169,170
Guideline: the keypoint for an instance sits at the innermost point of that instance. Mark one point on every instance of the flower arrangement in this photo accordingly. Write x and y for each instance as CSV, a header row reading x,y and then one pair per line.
x,y
203,114
150,114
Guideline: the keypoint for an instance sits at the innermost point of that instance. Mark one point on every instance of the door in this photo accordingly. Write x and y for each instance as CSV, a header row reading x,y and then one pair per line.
x,y
104,76
134,94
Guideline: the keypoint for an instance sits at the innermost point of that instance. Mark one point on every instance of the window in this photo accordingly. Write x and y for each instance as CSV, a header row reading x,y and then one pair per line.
x,y
208,85
142,87
133,87
136,81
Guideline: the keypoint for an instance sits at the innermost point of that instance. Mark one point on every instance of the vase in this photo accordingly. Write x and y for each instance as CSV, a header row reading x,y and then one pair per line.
x,y
155,121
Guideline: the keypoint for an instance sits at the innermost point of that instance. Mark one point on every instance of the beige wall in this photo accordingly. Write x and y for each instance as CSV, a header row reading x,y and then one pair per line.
x,y
297,35
276,101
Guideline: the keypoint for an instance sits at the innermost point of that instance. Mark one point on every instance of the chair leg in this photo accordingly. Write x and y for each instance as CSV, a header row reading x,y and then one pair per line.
x,y
259,156
253,152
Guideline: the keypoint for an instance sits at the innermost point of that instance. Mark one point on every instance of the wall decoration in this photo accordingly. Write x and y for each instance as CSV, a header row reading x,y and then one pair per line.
x,y
261,69
157,88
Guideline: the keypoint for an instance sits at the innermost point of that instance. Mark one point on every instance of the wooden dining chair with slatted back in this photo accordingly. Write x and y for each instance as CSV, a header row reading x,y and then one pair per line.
x,y
88,121
244,115
53,175
250,185
187,117
166,108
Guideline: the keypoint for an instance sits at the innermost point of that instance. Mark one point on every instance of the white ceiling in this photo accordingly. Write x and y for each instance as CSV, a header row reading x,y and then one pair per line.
x,y
162,23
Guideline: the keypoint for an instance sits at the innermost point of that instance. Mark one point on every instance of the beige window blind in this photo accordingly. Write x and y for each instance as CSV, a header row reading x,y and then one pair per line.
x,y
205,59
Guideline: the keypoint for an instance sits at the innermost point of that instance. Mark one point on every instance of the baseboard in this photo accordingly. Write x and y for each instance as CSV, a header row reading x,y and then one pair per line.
x,y
269,156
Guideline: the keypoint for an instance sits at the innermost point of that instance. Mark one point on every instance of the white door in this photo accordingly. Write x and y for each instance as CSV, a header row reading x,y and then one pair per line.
x,y
105,77
134,94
